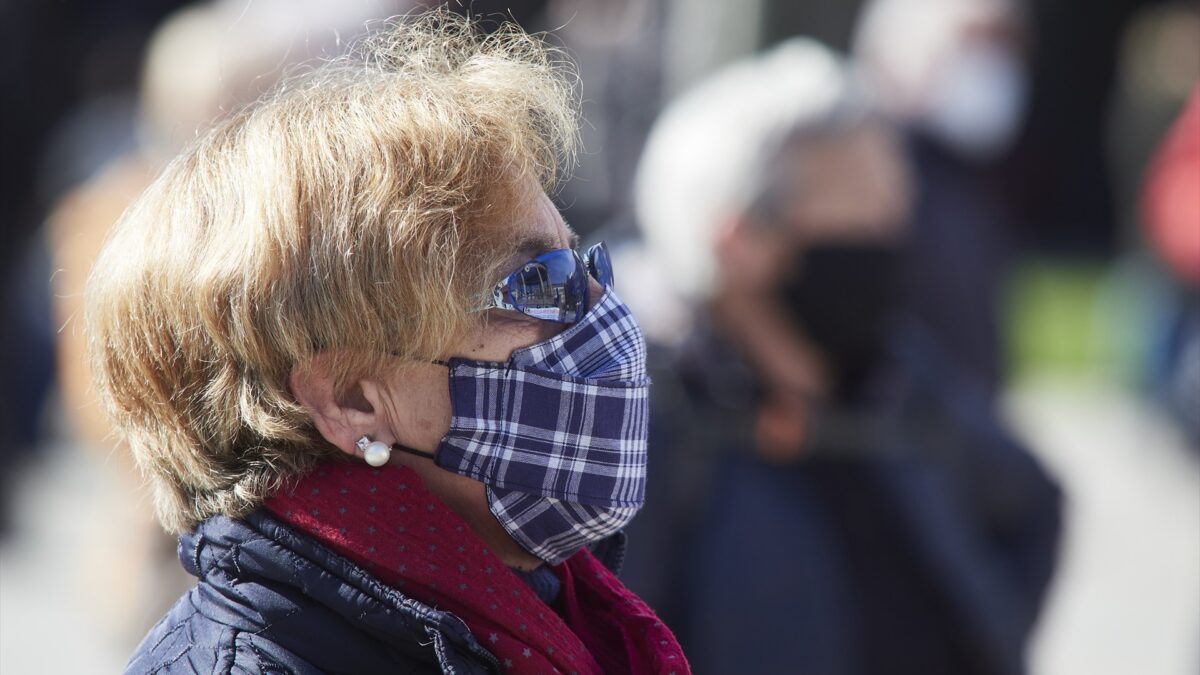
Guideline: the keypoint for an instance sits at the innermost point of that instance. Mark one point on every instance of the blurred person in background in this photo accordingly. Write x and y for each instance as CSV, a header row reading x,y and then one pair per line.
x,y
830,492
951,74
387,407
55,54
1171,220
203,63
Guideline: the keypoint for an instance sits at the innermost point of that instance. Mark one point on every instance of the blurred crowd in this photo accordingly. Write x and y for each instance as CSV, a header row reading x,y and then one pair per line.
x,y
857,234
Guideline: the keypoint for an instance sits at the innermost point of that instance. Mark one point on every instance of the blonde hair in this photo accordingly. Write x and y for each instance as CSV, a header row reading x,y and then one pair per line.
x,y
359,210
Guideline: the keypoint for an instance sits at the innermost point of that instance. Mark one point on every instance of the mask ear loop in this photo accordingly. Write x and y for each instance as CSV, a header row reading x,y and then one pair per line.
x,y
414,451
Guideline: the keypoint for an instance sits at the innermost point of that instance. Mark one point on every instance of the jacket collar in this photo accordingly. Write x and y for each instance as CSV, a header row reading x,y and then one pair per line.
x,y
225,552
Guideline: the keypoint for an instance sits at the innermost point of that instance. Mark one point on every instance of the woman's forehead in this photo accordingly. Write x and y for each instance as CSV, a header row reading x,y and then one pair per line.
x,y
543,230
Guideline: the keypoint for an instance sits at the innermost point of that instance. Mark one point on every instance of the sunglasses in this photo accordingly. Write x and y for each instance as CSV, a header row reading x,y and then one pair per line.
x,y
554,285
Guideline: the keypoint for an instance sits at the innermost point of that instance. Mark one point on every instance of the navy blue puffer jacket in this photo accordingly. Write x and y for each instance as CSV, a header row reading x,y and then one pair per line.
x,y
273,601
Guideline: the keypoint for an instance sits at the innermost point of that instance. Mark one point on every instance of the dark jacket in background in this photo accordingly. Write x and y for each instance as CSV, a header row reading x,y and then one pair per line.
x,y
916,537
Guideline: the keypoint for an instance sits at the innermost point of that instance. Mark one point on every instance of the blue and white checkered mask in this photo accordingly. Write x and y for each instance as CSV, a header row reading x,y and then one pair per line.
x,y
558,433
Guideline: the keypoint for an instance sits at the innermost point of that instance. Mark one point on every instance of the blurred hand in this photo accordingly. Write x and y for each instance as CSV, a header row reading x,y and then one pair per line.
x,y
751,257
780,427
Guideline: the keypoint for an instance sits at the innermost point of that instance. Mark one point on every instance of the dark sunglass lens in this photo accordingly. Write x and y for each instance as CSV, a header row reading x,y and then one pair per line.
x,y
600,264
549,287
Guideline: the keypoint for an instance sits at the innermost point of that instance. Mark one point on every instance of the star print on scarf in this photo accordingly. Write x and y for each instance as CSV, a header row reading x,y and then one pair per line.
x,y
387,522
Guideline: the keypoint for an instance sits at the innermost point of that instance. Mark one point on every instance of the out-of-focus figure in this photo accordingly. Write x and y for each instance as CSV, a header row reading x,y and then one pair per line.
x,y
204,62
831,493
1171,217
952,75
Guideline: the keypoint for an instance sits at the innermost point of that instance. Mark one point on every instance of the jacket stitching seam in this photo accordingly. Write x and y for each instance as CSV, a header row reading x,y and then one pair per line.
x,y
439,648
232,553
231,590
268,625
182,622
165,664
260,658
233,649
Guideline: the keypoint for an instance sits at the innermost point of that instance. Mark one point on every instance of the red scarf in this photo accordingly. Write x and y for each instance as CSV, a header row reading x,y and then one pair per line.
x,y
388,523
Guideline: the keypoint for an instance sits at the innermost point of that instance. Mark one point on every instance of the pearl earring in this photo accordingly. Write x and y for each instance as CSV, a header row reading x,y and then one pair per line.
x,y
376,453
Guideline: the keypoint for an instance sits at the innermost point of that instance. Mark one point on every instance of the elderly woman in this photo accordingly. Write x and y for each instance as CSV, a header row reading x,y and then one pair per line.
x,y
398,422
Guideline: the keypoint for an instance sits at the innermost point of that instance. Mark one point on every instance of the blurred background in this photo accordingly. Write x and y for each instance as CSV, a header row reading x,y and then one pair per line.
x,y
921,282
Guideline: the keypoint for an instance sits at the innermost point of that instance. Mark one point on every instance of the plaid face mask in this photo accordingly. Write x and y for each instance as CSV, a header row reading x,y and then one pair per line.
x,y
558,434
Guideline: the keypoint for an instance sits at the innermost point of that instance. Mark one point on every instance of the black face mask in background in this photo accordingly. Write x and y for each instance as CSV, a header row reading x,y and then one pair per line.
x,y
842,296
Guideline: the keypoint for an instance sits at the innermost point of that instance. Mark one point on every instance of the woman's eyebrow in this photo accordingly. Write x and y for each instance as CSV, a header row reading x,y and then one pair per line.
x,y
534,245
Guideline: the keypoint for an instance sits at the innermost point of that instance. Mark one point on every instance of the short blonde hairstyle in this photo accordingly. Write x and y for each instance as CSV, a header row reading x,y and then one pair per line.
x,y
359,210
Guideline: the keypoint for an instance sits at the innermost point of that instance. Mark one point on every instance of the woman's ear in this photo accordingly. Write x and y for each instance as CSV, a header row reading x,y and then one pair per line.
x,y
341,417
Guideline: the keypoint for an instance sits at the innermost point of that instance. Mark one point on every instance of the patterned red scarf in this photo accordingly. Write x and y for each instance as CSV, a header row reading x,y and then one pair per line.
x,y
388,523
